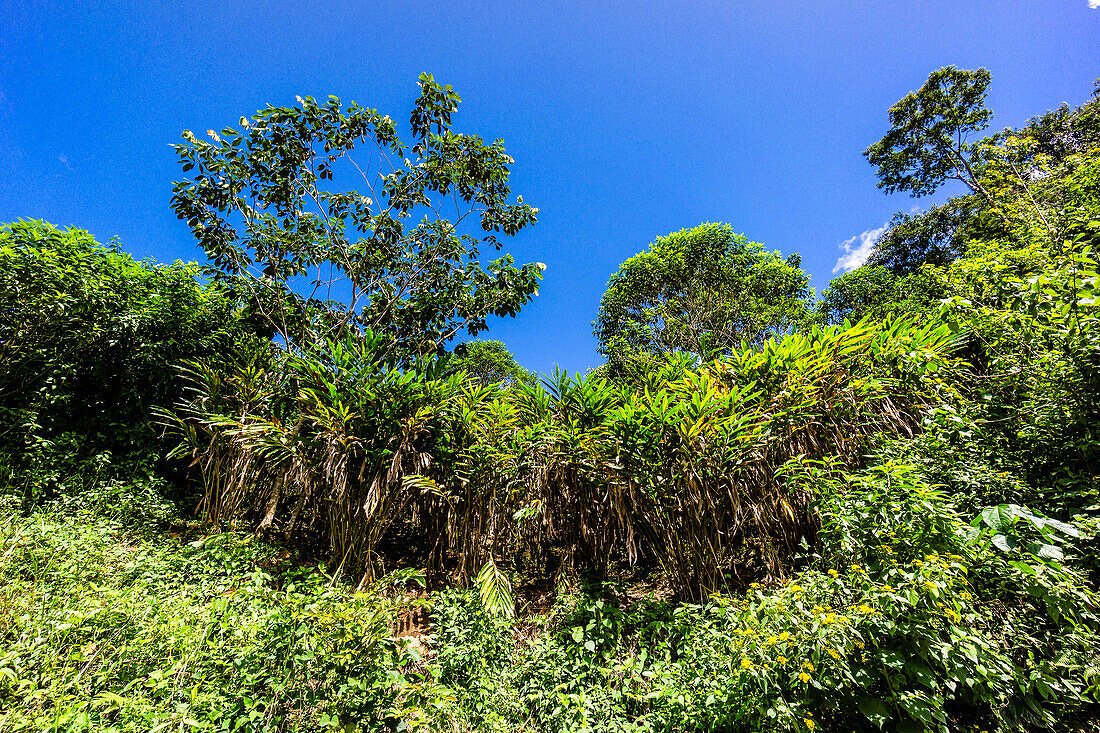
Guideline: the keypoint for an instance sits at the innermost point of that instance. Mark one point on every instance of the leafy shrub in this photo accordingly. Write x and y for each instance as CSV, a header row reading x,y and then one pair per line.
x,y
906,620
89,339
585,469
473,654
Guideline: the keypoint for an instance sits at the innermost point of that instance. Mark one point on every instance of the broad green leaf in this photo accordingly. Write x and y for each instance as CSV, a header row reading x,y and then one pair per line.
x,y
875,710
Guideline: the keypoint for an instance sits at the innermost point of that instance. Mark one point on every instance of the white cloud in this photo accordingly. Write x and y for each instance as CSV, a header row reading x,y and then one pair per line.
x,y
855,255
1094,4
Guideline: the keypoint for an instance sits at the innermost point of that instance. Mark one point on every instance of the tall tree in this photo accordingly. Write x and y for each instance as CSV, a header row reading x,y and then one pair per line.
x,y
1018,178
935,237
489,362
864,291
399,258
927,143
700,290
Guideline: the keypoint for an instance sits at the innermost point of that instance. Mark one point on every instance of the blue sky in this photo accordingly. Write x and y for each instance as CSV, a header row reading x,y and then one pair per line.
x,y
626,120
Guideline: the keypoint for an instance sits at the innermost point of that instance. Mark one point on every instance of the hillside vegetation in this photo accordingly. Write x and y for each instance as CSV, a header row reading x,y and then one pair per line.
x,y
262,494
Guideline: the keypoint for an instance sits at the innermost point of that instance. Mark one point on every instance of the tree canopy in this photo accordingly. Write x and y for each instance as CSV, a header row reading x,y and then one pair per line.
x,y
1036,183
489,362
700,290
856,294
399,256
927,140
935,237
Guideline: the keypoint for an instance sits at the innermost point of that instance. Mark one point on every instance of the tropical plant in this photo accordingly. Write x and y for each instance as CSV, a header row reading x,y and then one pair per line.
x,y
339,434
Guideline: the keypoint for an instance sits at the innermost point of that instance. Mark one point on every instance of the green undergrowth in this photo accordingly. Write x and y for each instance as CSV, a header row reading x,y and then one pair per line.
x,y
925,625
129,620
108,623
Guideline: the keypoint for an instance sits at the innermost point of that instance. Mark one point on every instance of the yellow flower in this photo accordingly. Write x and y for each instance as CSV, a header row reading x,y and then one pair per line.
x,y
746,664
833,653
856,568
795,588
818,609
832,572
808,666
810,725
830,618
929,586
772,640
781,659
804,677
784,636
952,615
917,563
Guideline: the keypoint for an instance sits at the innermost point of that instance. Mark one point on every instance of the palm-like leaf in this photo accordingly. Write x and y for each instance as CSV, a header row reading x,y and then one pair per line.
x,y
495,591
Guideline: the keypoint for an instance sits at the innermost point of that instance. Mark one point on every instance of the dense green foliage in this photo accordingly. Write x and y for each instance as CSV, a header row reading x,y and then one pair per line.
x,y
879,517
704,291
856,294
110,624
934,237
156,633
587,469
489,362
89,340
1034,187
